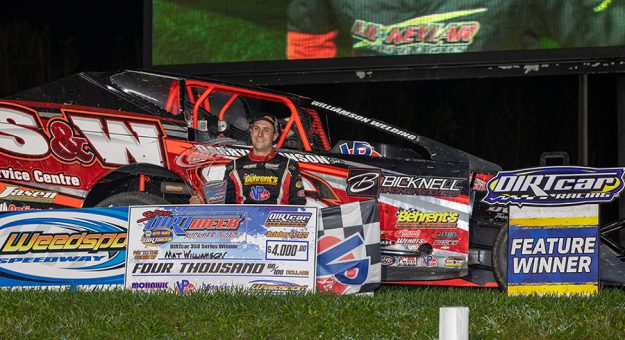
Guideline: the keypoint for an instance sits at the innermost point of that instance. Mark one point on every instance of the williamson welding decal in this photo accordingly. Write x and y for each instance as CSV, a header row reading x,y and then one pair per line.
x,y
555,186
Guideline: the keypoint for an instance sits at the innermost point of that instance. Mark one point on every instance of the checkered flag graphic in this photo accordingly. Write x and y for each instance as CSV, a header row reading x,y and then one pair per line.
x,y
348,258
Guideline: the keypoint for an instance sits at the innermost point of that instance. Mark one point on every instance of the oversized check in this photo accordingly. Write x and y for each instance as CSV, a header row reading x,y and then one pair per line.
x,y
222,247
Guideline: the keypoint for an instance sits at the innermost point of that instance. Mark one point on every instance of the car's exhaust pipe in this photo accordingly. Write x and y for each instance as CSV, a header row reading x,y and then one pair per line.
x,y
175,188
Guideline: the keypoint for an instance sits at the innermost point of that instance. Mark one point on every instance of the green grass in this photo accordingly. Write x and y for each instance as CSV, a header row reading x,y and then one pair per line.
x,y
394,312
189,32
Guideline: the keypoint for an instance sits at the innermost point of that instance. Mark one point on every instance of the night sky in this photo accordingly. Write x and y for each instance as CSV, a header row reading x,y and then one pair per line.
x,y
510,121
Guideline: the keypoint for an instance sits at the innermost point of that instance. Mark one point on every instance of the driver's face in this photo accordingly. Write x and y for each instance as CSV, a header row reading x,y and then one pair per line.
x,y
262,135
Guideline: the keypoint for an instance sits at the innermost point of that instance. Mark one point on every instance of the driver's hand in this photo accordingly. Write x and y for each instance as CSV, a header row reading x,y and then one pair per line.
x,y
196,199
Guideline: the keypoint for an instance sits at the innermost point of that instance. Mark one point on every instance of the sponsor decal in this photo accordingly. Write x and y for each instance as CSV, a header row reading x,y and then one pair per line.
x,y
429,261
363,182
259,193
144,254
445,242
446,235
150,285
276,286
412,218
251,166
299,184
251,179
499,212
12,207
555,186
40,242
454,262
184,287
287,219
358,148
408,233
407,261
369,121
430,34
387,260
157,236
17,193
81,137
202,154
384,242
301,193
371,183
409,241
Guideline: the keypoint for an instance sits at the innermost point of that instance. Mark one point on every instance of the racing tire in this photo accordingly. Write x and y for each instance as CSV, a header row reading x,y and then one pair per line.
x,y
125,199
499,258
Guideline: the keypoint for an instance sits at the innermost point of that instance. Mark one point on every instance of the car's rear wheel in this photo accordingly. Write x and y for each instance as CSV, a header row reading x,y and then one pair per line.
x,y
132,198
499,258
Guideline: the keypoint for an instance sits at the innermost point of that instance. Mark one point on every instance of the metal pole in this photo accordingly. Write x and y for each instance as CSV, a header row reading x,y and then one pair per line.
x,y
620,136
582,125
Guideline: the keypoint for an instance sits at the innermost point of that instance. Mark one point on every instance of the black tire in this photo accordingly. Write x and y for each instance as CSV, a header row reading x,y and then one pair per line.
x,y
499,258
125,199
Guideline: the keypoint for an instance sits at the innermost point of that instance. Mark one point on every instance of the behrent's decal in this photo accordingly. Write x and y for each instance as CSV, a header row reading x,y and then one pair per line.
x,y
413,218
555,186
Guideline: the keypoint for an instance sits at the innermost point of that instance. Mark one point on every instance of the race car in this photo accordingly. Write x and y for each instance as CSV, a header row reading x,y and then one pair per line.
x,y
140,138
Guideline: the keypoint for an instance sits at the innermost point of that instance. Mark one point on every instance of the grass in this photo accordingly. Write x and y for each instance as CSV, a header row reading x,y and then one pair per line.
x,y
189,32
394,312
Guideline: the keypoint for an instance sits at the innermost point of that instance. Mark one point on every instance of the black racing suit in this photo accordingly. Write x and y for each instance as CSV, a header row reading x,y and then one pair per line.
x,y
409,27
273,179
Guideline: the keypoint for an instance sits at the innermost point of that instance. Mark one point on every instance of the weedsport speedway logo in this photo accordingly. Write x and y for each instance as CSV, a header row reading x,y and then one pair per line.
x,y
555,186
59,247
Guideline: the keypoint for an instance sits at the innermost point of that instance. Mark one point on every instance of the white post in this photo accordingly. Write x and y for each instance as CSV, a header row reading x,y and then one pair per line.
x,y
453,323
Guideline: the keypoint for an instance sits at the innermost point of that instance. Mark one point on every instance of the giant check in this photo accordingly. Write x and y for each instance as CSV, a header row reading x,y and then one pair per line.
x,y
221,247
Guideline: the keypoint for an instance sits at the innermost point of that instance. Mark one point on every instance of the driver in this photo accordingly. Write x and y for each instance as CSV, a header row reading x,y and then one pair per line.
x,y
262,176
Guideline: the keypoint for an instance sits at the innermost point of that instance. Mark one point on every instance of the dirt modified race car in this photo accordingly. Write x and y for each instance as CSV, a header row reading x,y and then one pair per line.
x,y
137,138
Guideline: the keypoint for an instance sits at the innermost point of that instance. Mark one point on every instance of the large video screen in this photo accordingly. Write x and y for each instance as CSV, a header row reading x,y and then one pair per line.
x,y
187,32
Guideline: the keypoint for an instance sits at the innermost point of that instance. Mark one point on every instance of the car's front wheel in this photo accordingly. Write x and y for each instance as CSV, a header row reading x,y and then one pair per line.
x,y
132,198
499,258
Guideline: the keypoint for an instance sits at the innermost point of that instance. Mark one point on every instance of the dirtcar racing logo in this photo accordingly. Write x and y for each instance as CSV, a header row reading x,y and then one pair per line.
x,y
555,186
371,183
420,35
288,219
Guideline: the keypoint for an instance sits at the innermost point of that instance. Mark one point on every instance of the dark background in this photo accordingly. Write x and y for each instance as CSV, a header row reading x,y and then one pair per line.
x,y
509,121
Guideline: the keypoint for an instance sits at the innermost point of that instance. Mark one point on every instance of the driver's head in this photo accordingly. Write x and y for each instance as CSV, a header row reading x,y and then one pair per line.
x,y
263,132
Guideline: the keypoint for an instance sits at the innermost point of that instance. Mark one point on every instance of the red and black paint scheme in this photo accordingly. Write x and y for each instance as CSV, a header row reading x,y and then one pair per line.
x,y
132,138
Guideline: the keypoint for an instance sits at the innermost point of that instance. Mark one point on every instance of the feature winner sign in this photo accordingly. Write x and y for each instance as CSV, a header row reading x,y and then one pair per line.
x,y
209,248
553,244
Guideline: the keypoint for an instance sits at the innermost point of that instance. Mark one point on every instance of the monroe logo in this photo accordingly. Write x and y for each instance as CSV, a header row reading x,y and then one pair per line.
x,y
287,219
555,186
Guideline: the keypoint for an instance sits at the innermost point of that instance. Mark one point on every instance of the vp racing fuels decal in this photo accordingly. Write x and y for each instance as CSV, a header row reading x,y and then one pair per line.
x,y
555,186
